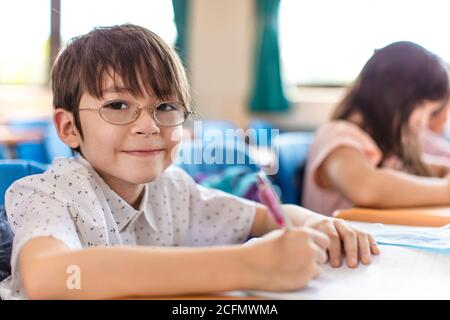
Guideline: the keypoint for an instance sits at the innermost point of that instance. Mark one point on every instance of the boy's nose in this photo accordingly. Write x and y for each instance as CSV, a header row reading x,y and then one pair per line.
x,y
145,123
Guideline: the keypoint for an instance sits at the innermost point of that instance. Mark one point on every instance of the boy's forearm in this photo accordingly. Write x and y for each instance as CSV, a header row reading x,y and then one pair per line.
x,y
108,272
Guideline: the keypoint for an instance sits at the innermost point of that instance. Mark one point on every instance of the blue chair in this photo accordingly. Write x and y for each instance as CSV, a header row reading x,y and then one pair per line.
x,y
292,151
210,124
213,130
12,170
4,152
263,130
6,241
31,150
199,156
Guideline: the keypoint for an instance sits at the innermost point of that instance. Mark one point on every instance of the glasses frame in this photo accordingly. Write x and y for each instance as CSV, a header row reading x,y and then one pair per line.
x,y
152,109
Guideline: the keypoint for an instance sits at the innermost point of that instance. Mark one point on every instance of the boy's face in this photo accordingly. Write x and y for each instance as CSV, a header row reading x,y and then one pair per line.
x,y
135,153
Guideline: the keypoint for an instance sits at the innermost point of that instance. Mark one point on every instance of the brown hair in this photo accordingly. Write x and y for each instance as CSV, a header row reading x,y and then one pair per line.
x,y
142,60
392,84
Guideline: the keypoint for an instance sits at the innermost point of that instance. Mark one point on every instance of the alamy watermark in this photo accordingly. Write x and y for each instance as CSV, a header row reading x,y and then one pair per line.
x,y
73,281
230,146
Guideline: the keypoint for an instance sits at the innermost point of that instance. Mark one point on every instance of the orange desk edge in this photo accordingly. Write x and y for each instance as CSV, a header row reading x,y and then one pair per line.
x,y
425,217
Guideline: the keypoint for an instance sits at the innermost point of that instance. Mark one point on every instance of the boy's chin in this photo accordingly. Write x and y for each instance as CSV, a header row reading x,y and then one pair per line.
x,y
142,178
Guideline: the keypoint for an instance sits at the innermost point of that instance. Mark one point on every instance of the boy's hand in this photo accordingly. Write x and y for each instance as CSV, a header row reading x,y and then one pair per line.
x,y
356,244
285,260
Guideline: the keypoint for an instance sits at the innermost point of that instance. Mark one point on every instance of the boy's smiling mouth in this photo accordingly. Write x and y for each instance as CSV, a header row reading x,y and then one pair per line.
x,y
144,152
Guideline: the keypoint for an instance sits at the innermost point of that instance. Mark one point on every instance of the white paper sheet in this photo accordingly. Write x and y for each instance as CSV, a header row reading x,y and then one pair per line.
x,y
397,273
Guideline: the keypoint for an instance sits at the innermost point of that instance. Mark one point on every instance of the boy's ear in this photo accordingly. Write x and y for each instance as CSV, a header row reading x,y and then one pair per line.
x,y
65,127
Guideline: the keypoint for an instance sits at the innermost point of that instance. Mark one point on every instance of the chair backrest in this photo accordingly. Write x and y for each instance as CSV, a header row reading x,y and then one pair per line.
x,y
292,150
217,130
210,124
6,242
42,151
12,170
36,150
263,132
197,156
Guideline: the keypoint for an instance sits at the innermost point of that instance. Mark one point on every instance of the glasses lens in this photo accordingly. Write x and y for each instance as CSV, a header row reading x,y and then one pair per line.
x,y
170,114
118,112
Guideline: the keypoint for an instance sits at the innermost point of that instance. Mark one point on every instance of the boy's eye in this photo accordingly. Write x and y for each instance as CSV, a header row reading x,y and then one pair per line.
x,y
116,105
165,107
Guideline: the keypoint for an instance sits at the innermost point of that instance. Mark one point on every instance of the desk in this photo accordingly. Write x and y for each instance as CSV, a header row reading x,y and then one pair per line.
x,y
429,217
11,138
397,273
232,295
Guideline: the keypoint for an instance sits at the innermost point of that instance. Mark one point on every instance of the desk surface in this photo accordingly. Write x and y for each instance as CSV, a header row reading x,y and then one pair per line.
x,y
232,295
431,216
397,273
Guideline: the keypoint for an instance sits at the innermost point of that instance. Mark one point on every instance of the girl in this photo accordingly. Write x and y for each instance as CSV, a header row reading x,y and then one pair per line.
x,y
369,154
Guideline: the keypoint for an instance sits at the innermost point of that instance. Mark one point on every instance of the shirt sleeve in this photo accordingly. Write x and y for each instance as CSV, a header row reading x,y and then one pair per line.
x,y
218,217
338,134
32,212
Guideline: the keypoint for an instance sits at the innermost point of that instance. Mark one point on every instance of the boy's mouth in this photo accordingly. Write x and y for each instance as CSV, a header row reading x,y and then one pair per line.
x,y
143,152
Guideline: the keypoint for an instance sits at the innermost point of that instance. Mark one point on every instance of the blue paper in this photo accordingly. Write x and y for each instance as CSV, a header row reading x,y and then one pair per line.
x,y
434,239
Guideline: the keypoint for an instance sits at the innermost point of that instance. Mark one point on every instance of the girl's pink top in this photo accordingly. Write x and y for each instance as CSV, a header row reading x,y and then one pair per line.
x,y
328,138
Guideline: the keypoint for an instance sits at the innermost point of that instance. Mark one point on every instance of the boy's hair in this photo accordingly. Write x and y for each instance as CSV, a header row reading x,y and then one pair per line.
x,y
392,84
139,57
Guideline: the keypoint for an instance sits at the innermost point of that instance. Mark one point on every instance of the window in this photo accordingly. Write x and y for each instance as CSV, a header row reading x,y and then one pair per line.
x,y
25,41
25,30
81,16
327,42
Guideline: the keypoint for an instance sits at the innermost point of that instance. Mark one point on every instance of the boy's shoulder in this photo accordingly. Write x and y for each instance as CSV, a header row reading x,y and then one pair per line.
x,y
63,165
62,182
61,168
68,166
67,173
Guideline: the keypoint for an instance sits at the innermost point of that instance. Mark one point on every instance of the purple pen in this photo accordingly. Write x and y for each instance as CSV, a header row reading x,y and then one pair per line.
x,y
269,198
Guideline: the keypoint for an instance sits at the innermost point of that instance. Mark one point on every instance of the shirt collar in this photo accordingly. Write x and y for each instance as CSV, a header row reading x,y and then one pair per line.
x,y
144,207
123,212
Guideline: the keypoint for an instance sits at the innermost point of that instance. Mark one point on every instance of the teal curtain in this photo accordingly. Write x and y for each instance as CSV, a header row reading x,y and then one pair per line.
x,y
268,94
181,13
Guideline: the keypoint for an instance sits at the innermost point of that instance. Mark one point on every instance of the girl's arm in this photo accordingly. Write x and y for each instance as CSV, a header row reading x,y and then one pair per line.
x,y
347,171
440,166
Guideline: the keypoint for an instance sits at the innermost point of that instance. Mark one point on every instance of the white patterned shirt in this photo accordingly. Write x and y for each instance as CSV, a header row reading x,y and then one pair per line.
x,y
72,203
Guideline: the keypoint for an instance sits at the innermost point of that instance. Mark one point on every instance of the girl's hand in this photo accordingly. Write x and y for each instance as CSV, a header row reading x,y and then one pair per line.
x,y
285,260
356,244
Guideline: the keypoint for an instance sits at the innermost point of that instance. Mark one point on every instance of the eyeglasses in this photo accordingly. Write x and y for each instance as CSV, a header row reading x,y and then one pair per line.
x,y
166,114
